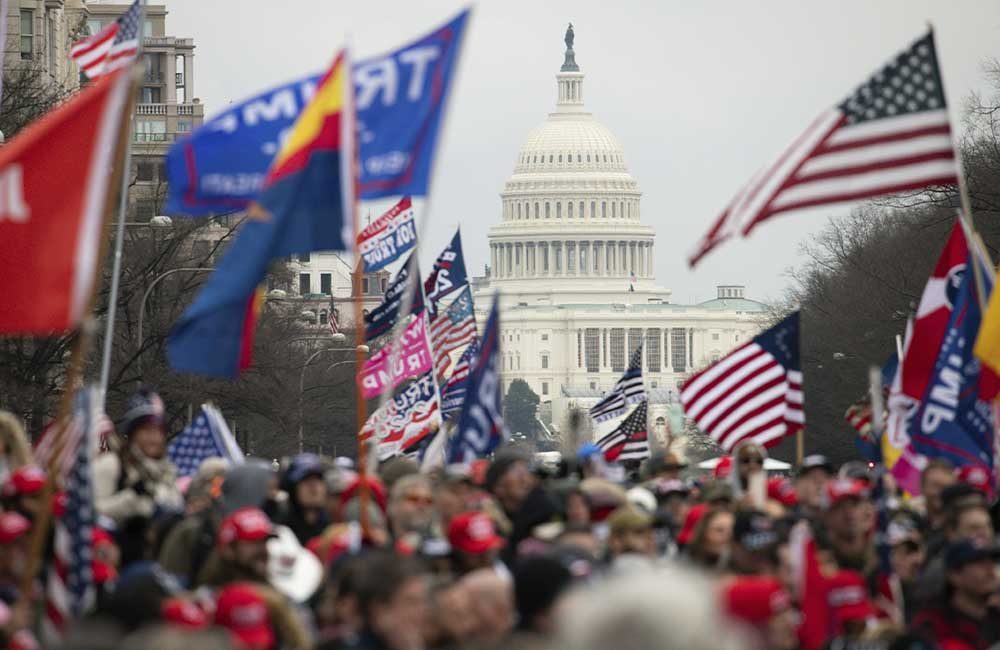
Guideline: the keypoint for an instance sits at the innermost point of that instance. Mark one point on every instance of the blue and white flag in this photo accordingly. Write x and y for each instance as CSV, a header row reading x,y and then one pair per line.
x,y
628,390
453,393
447,275
207,437
399,98
480,424
384,240
951,422
381,319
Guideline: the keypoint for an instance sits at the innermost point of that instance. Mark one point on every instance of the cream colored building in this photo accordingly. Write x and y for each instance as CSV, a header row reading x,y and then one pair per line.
x,y
573,262
39,36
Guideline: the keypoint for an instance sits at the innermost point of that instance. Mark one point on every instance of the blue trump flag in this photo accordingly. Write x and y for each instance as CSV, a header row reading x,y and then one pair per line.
x,y
399,100
480,424
447,275
951,422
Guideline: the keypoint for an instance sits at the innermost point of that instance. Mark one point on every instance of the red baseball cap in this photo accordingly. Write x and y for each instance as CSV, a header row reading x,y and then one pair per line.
x,y
847,596
245,525
473,532
694,515
26,480
844,488
724,467
755,600
242,610
13,526
781,490
183,613
975,476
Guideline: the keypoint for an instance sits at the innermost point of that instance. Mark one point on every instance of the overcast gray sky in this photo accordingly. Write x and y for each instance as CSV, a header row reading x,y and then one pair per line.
x,y
700,94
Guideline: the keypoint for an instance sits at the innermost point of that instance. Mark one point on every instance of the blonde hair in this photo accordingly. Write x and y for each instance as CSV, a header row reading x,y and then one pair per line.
x,y
15,441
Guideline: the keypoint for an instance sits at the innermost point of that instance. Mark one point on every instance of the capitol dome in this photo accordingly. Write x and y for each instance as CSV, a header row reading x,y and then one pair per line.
x,y
571,209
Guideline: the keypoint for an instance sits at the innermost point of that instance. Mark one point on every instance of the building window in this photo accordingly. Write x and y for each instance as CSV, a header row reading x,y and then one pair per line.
x,y
618,349
323,318
548,211
678,349
604,341
27,33
519,211
150,95
326,283
144,171
593,385
634,340
592,349
653,350
558,256
303,257
147,28
604,209
545,362
150,131
51,40
383,283
94,26
584,249
536,209
558,210
304,284
579,349
545,259
715,336
613,215
570,258
183,126
560,157
716,356
545,337
593,209
569,210
545,388
364,286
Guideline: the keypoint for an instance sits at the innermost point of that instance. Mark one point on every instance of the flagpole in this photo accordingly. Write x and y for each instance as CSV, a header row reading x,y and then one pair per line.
x,y
116,268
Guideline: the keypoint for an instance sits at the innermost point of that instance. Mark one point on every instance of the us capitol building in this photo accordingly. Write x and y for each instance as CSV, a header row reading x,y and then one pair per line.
x,y
574,266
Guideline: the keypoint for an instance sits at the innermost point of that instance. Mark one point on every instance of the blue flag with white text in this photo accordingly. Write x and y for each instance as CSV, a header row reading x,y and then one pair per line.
x,y
447,275
399,99
951,422
480,424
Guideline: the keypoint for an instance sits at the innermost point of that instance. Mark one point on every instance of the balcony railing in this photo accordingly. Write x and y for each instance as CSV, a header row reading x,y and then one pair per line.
x,y
150,109
154,137
163,109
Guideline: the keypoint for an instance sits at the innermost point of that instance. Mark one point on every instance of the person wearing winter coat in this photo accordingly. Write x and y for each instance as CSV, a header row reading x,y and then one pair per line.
x,y
138,483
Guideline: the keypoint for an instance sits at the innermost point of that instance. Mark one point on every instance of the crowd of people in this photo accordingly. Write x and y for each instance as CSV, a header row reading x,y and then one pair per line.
x,y
310,552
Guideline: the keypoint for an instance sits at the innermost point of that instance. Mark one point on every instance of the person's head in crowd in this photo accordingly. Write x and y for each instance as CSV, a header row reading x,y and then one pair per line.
x,y
631,532
450,622
242,610
577,507
748,459
540,581
15,452
975,476
509,479
672,499
337,613
848,602
205,487
937,475
810,482
579,536
590,461
665,466
669,609
959,495
763,604
144,426
603,496
712,538
305,483
492,600
718,494
641,498
138,597
242,543
392,597
411,506
907,554
755,543
396,468
971,574
183,613
15,538
451,498
252,484
23,491
971,522
474,542
846,519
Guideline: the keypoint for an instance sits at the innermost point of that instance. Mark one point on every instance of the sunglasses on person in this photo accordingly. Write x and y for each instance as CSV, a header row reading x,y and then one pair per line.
x,y
419,500
909,546
756,460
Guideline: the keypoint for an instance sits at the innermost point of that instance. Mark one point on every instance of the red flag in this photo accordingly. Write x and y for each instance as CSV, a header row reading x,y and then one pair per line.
x,y
53,187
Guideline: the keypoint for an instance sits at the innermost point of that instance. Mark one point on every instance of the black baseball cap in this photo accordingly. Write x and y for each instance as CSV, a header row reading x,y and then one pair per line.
x,y
754,530
964,552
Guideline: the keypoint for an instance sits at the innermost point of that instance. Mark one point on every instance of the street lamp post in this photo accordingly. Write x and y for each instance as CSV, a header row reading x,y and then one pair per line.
x,y
302,381
142,307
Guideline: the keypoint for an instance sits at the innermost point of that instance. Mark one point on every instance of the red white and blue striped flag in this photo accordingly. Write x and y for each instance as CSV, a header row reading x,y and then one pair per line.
x,y
630,440
111,48
628,390
753,393
891,135
453,328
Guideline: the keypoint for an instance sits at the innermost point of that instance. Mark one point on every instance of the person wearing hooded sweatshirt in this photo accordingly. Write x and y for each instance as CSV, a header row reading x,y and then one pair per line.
x,y
190,542
138,483
306,487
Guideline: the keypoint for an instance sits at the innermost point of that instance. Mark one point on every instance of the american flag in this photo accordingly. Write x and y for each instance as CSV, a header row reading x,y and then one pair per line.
x,y
69,587
207,437
334,321
453,393
628,390
453,328
753,393
45,445
891,135
630,440
111,48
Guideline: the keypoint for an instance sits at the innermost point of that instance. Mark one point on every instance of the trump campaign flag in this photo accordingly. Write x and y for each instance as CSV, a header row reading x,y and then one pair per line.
x,y
413,357
54,178
406,420
447,275
382,318
480,426
453,393
305,206
400,99
384,241
890,135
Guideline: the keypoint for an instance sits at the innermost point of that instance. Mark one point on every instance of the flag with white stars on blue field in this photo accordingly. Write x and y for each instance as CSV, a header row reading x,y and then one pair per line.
x,y
207,437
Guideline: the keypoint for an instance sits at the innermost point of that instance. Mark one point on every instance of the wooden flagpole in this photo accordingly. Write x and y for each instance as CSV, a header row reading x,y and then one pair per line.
x,y
81,347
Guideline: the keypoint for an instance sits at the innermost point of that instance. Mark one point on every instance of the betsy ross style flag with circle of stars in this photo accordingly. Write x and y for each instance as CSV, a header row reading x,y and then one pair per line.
x,y
891,135
754,393
207,437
